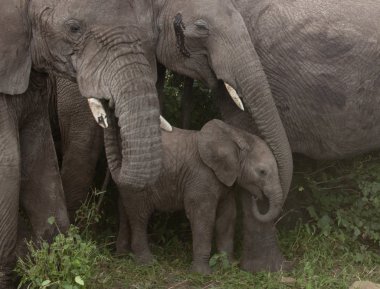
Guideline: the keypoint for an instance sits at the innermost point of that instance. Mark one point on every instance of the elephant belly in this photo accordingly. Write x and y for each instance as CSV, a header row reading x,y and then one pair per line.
x,y
166,196
335,136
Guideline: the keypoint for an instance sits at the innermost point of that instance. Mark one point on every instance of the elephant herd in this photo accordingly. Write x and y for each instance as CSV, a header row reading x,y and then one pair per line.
x,y
306,72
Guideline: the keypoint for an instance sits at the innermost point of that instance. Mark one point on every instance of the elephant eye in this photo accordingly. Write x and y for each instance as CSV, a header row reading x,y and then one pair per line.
x,y
74,27
262,172
201,24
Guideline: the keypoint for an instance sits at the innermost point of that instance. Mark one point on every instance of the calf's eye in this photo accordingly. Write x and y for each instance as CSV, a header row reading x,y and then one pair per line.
x,y
74,28
262,172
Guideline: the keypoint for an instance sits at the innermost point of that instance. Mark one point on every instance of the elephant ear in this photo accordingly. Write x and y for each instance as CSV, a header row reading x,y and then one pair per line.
x,y
15,57
219,150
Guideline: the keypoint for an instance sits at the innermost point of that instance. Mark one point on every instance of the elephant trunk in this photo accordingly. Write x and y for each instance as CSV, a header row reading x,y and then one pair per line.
x,y
112,147
275,206
137,109
252,85
113,66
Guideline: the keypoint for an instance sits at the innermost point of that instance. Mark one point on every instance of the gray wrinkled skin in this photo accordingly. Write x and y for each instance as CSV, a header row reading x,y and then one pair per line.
x,y
322,61
87,42
29,174
81,144
199,169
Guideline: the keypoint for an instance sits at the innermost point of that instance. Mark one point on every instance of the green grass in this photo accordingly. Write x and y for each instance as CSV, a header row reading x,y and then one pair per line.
x,y
331,233
321,262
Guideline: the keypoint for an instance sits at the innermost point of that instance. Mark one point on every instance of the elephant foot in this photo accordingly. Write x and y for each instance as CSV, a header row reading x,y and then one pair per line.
x,y
231,258
122,251
7,286
201,268
144,259
122,248
272,263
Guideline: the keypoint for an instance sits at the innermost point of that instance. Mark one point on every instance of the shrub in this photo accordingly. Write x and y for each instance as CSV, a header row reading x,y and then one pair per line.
x,y
346,198
67,263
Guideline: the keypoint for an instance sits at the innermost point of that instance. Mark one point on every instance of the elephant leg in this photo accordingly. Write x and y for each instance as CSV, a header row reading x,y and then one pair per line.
x,y
80,157
225,225
261,251
24,234
123,245
82,143
9,192
138,215
41,193
202,220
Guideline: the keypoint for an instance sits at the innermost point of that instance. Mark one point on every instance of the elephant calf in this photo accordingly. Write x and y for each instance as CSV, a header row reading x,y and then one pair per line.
x,y
199,170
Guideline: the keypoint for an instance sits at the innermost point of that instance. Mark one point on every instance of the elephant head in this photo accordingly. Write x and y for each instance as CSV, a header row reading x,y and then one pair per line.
x,y
237,156
101,46
209,41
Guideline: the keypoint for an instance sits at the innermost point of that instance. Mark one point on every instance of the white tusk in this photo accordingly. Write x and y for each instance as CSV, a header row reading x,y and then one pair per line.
x,y
235,97
98,112
165,125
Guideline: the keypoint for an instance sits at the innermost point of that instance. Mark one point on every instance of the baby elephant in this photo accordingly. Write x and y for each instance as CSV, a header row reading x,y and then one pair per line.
x,y
199,170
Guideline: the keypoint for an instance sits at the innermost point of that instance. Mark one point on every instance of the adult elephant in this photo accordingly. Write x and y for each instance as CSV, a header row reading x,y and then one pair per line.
x,y
215,47
322,61
84,40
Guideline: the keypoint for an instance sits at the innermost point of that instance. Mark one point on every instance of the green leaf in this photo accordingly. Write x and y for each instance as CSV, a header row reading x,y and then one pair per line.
x,y
51,220
79,280
46,282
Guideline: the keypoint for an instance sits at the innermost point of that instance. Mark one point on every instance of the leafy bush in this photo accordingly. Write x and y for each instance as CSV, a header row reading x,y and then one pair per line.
x,y
346,198
67,263
90,213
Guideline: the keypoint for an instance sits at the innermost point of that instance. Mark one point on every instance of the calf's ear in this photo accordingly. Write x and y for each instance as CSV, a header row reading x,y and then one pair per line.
x,y
15,57
219,151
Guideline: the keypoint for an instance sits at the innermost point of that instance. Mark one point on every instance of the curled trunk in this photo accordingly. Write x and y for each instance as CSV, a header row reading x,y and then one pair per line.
x,y
252,85
275,207
112,143
113,66
137,109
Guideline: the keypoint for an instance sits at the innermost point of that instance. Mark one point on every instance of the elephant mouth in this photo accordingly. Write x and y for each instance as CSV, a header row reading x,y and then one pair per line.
x,y
257,194
262,202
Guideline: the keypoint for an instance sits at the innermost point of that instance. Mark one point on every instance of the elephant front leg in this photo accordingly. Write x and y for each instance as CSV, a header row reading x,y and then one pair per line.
x,y
80,156
82,147
138,215
225,225
9,193
202,219
123,245
82,143
9,184
42,194
261,251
